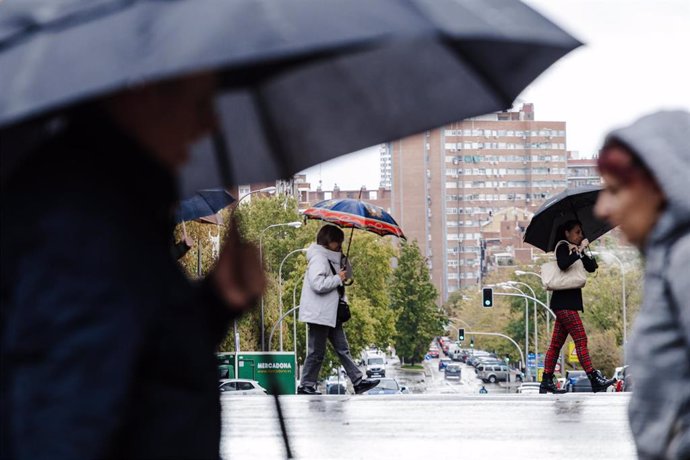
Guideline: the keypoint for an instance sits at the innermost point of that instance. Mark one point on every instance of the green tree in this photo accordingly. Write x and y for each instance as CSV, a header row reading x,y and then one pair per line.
x,y
413,297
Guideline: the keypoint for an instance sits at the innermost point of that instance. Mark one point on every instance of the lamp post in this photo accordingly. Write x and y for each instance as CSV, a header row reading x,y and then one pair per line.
x,y
526,325
625,311
271,190
295,224
280,289
237,204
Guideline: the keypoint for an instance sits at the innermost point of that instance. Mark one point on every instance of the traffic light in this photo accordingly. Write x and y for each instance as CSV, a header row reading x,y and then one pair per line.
x,y
487,297
461,335
472,342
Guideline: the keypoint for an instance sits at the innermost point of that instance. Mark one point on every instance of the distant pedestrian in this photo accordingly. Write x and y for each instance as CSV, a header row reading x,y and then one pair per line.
x,y
566,304
483,390
645,168
321,292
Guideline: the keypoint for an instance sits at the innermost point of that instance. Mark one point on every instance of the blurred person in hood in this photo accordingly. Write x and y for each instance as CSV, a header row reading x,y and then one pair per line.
x,y
108,349
646,169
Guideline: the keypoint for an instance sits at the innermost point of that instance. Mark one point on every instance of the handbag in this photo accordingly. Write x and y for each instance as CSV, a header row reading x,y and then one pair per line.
x,y
344,313
555,279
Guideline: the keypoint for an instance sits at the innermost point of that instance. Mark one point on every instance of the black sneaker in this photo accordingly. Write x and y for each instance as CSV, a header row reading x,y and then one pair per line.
x,y
365,385
307,390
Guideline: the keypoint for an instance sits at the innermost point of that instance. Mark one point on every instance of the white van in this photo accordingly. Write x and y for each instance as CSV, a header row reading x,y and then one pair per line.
x,y
376,366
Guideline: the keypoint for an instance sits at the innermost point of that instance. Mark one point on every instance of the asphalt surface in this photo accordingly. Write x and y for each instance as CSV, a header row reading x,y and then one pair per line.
x,y
439,419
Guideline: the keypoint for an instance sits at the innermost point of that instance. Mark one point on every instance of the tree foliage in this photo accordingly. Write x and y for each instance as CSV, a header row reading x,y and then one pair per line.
x,y
413,298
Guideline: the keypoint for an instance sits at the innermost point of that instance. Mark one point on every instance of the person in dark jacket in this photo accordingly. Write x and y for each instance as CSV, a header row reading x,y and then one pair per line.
x,y
645,168
566,304
108,349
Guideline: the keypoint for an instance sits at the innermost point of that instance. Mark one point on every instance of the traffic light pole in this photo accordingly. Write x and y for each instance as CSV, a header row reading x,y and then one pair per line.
x,y
496,334
537,301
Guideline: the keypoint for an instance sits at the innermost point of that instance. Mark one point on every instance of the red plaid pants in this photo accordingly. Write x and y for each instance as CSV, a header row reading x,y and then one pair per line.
x,y
568,322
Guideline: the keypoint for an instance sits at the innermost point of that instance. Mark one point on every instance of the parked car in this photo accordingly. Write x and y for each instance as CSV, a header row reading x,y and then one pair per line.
x,y
627,379
376,366
494,373
241,387
529,388
453,371
335,388
387,386
443,362
582,385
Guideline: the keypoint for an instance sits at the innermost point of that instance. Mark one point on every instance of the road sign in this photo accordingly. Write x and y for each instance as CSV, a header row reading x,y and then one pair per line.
x,y
572,354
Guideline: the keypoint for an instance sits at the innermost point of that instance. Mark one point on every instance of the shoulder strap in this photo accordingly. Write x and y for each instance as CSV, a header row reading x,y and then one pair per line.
x,y
341,289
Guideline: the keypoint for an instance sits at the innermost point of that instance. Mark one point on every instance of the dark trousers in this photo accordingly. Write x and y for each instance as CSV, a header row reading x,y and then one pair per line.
x,y
318,335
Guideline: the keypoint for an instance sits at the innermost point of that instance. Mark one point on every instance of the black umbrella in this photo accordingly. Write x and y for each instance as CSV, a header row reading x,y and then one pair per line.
x,y
203,204
304,80
571,204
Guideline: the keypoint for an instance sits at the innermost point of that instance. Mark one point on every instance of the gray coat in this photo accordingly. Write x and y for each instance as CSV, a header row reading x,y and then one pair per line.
x,y
660,346
319,301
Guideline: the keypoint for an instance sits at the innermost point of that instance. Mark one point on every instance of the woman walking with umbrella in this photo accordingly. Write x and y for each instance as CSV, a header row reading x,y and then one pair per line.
x,y
566,304
322,292
560,226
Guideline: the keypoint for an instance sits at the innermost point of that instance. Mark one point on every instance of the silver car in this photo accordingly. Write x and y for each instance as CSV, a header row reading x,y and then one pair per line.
x,y
494,373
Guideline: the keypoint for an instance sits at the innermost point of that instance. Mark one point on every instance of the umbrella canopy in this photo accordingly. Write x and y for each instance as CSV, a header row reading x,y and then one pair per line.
x,y
304,80
349,213
203,204
571,204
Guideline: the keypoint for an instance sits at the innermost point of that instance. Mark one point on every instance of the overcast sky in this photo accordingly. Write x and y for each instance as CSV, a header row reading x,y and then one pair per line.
x,y
635,61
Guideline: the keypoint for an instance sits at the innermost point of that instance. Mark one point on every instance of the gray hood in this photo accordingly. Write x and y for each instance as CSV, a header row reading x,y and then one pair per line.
x,y
317,250
661,142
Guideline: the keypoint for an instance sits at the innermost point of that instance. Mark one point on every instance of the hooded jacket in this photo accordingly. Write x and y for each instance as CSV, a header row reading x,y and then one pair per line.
x,y
319,301
660,346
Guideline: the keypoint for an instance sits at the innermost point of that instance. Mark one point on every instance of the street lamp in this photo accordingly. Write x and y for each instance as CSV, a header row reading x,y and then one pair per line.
x,y
280,290
295,224
548,298
611,255
270,190
526,325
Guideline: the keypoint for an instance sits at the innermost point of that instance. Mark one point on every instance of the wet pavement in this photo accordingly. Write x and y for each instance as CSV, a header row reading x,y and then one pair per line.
x,y
440,418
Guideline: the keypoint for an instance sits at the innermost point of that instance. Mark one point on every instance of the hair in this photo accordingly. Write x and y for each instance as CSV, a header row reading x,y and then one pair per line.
x,y
329,234
566,227
620,161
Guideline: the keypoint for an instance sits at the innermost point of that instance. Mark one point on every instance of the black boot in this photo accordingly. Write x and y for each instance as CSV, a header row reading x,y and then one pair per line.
x,y
307,390
547,385
365,385
599,382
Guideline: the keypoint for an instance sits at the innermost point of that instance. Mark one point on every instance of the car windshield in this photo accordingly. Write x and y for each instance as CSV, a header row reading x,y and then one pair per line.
x,y
453,367
388,384
375,361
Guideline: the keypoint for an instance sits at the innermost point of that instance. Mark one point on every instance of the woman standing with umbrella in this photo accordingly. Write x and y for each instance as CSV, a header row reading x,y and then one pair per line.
x,y
322,292
560,226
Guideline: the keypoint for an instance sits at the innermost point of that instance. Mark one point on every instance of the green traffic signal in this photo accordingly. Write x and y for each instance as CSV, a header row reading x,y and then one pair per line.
x,y
461,335
487,297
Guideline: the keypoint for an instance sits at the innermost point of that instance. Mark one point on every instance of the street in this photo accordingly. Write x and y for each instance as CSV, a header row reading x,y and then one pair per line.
x,y
570,426
438,417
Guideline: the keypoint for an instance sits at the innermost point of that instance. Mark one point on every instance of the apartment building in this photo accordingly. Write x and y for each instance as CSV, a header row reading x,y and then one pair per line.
x,y
447,183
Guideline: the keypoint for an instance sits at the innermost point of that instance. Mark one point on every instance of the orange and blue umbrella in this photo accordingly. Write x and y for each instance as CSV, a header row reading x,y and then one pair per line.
x,y
351,213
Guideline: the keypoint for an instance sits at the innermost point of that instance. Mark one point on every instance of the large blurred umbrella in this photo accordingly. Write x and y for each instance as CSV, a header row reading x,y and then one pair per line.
x,y
202,204
571,204
304,80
